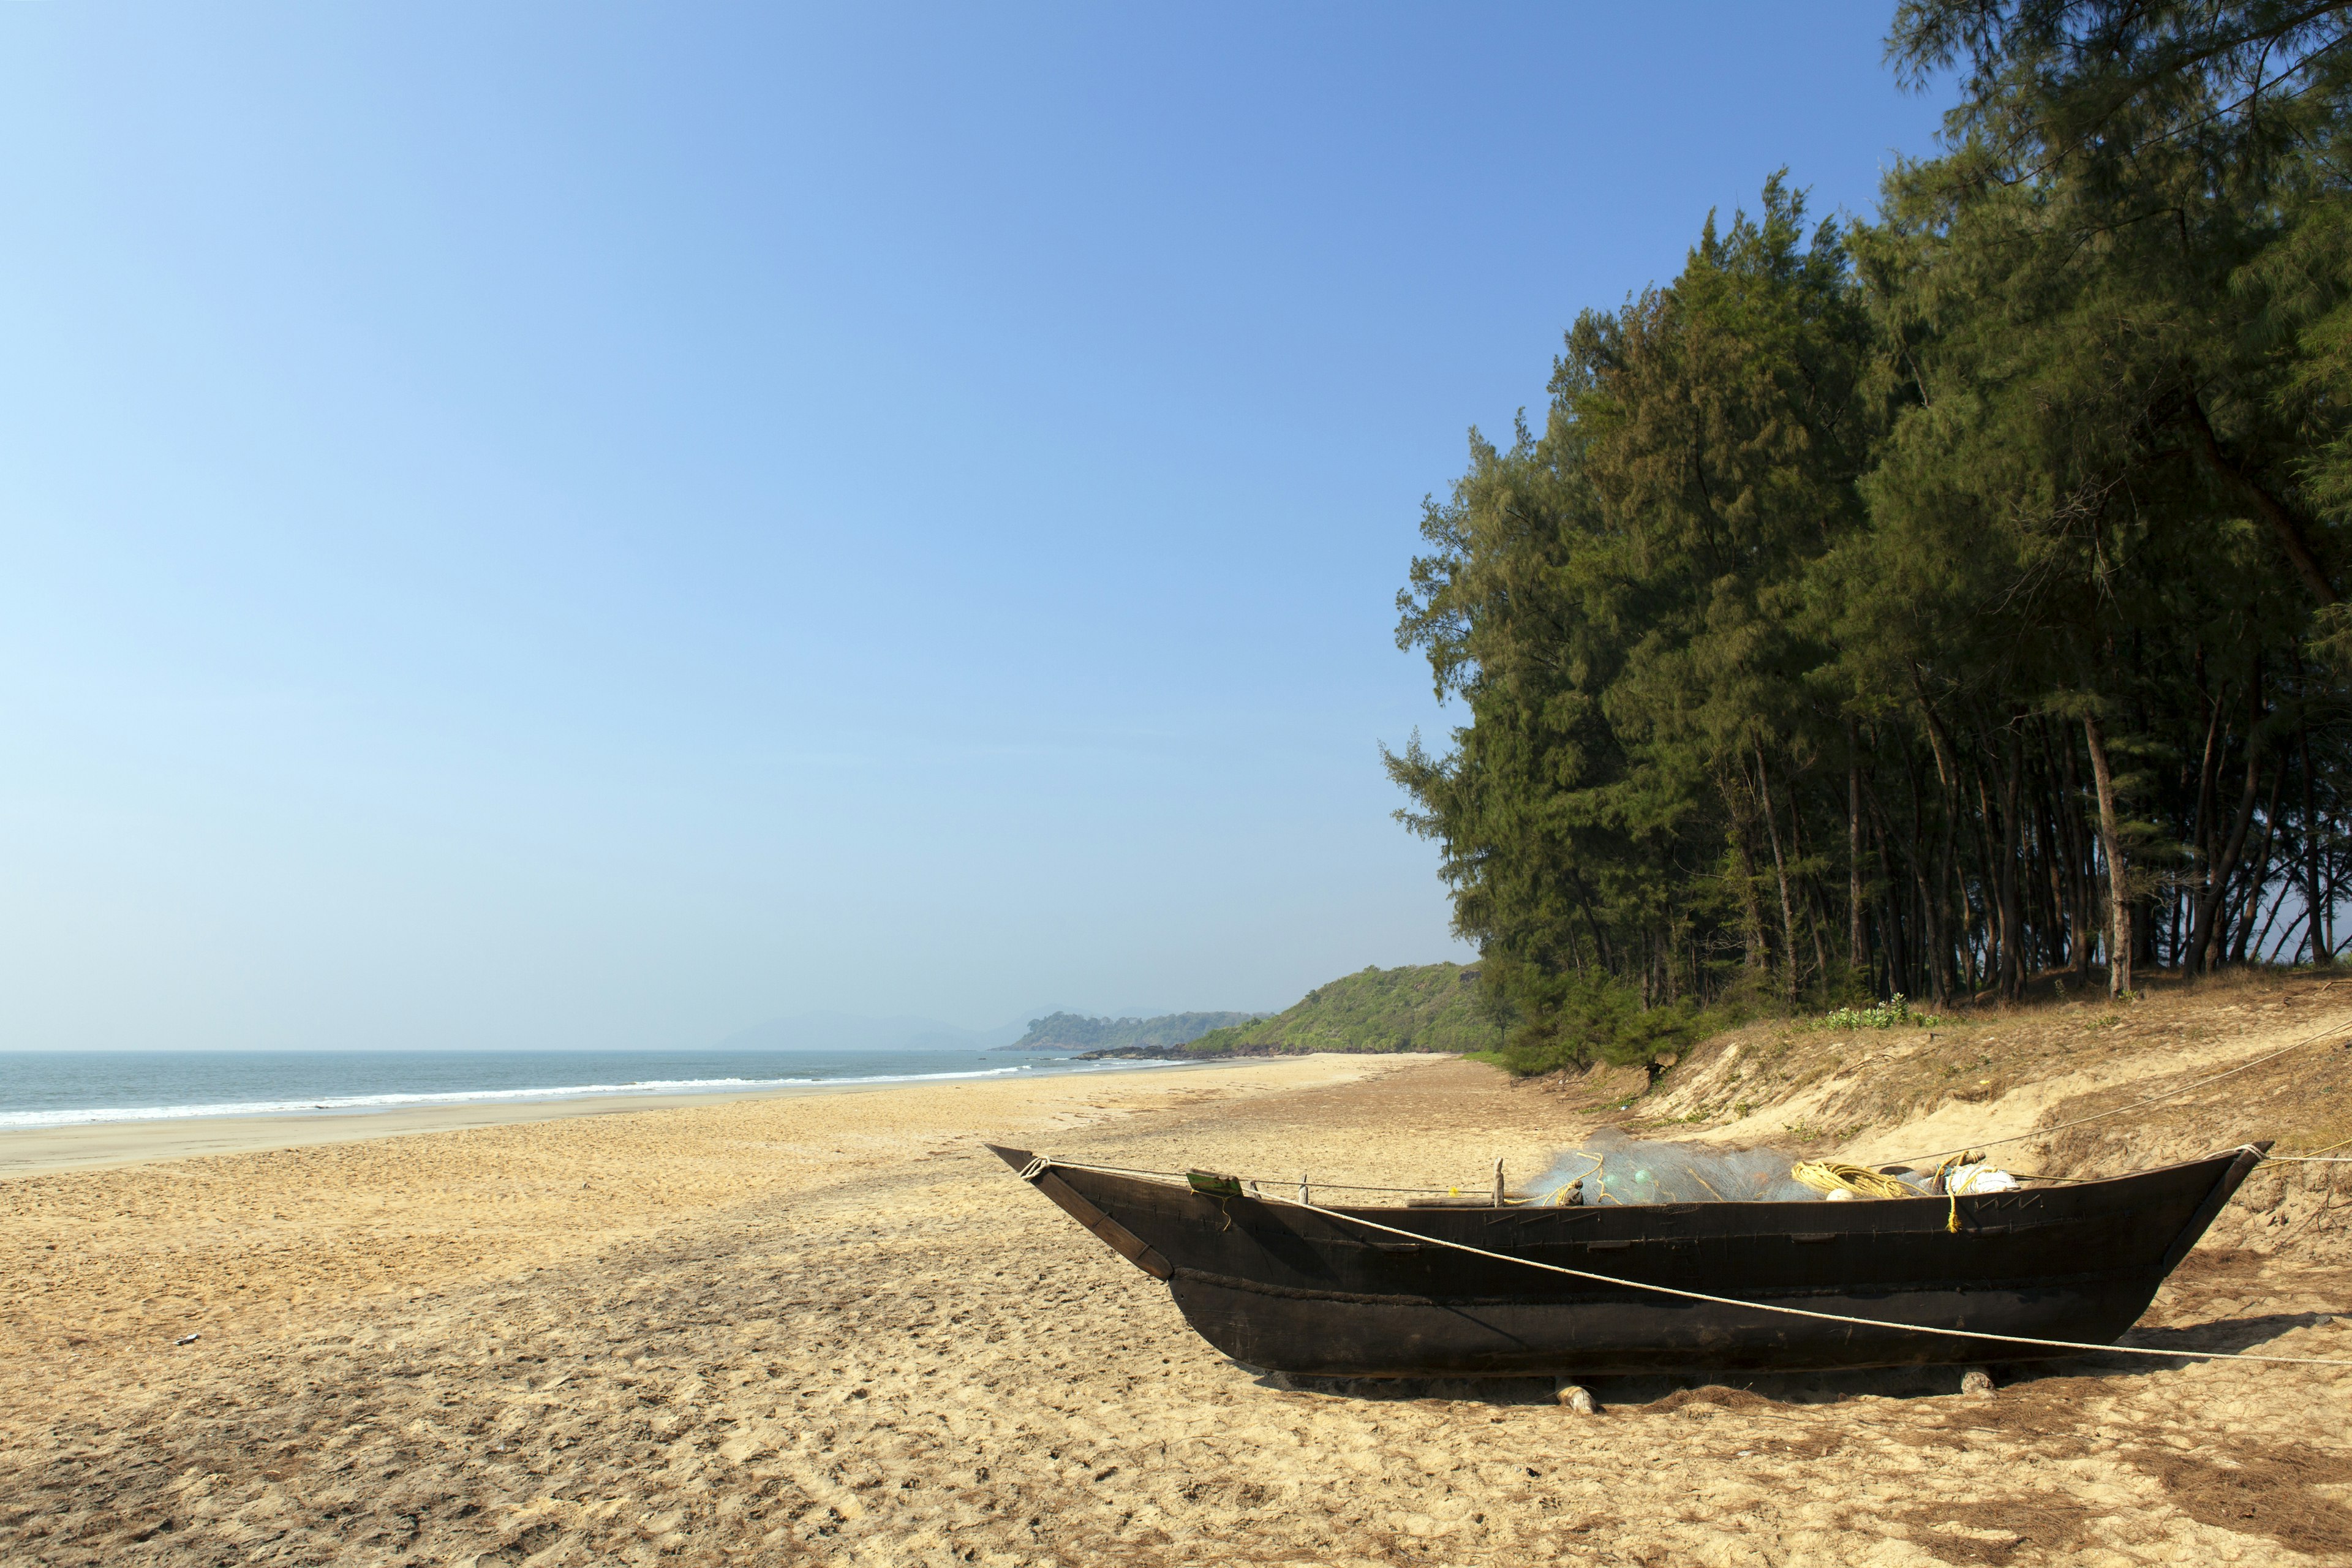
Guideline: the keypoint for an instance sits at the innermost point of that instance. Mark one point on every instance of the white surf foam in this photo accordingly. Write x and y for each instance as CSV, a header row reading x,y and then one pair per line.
x,y
363,1103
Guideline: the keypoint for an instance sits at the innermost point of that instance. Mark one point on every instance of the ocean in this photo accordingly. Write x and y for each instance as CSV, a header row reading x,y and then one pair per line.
x,y
70,1088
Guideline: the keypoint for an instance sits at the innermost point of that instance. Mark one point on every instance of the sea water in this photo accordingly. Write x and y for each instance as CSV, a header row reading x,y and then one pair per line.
x,y
68,1089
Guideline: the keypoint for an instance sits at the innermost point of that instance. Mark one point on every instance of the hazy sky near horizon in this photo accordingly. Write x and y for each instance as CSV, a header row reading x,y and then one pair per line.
x,y
600,525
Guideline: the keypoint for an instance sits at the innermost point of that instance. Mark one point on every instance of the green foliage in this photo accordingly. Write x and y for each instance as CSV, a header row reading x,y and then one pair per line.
x,y
1424,1007
1580,1020
1908,608
1894,1013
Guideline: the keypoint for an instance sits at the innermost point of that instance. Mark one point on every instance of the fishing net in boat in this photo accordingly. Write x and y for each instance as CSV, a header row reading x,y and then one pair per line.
x,y
1616,1169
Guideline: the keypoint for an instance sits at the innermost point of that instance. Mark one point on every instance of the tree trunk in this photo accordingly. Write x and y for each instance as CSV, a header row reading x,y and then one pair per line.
x,y
2293,927
1599,937
2261,937
2201,818
1988,882
2078,857
2057,859
2205,950
2012,923
1954,951
1898,939
1811,899
2258,872
1752,913
2333,870
2318,933
1855,951
2286,526
1781,870
2119,928
1933,948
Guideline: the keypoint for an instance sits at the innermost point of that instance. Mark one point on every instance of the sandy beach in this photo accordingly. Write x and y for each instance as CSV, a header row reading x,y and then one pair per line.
x,y
831,1328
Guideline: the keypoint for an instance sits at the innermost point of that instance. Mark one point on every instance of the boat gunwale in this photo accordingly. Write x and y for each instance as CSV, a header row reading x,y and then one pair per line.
x,y
1941,1208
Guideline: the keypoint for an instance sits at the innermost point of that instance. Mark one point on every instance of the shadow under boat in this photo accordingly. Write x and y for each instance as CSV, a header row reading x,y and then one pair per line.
x,y
1291,1290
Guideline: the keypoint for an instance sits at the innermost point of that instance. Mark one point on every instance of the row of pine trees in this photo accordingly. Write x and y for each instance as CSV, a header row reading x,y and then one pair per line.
x,y
1931,603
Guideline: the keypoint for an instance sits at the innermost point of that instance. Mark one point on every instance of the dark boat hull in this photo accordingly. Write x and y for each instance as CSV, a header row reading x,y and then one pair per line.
x,y
1288,1290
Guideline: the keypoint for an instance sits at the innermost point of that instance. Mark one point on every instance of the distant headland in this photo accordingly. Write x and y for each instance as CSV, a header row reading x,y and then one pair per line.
x,y
1417,1007
1124,1037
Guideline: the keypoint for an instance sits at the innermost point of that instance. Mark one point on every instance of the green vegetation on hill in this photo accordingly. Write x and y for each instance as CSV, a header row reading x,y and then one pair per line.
x,y
1420,1007
1075,1032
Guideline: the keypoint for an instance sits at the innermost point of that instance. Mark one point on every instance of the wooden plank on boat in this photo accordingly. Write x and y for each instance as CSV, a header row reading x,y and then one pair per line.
x,y
1112,1234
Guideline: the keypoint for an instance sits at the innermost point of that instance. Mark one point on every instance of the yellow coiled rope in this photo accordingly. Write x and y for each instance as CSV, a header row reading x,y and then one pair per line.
x,y
1834,1176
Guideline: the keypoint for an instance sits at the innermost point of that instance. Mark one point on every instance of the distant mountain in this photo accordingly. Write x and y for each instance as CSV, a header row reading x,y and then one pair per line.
x,y
1419,1007
856,1032
1075,1032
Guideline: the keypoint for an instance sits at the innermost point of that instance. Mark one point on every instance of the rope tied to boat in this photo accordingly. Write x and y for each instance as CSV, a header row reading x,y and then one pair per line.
x,y
1837,1176
2134,1105
2089,1346
2319,1157
1807,1312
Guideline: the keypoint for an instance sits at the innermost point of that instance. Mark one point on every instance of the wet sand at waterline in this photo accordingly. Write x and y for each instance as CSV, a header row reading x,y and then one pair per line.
x,y
831,1328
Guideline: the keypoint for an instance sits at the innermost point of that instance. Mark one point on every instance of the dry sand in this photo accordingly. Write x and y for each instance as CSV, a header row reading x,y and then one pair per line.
x,y
832,1330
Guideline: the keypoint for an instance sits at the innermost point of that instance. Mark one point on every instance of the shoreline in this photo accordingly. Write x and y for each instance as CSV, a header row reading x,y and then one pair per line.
x,y
100,1145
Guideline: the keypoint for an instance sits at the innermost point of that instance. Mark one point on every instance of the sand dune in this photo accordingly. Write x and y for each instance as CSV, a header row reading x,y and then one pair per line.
x,y
832,1330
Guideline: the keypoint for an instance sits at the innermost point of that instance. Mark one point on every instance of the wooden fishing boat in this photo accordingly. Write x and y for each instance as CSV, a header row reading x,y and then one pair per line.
x,y
1287,1289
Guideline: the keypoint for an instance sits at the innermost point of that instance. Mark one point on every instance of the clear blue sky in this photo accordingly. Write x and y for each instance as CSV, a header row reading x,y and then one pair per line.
x,y
598,525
